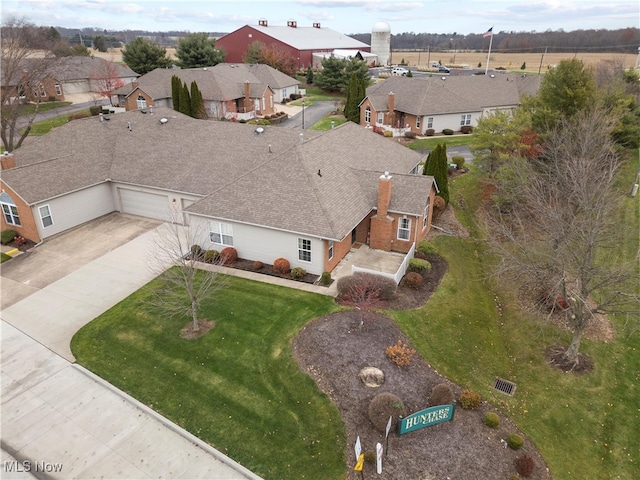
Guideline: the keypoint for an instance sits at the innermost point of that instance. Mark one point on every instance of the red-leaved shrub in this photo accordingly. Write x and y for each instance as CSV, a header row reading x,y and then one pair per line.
x,y
228,256
281,265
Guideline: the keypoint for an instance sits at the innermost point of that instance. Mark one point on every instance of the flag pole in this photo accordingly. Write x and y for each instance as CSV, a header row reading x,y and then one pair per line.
x,y
486,70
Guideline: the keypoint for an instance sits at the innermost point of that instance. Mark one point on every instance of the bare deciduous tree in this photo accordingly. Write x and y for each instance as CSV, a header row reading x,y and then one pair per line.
x,y
106,79
23,71
185,284
563,235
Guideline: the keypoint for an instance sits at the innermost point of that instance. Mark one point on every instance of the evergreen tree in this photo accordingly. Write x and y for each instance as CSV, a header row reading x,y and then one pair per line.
x,y
185,100
331,78
197,103
437,166
176,90
253,53
309,75
198,50
142,56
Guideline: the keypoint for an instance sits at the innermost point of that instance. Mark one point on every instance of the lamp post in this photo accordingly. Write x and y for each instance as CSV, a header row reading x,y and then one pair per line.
x,y
303,114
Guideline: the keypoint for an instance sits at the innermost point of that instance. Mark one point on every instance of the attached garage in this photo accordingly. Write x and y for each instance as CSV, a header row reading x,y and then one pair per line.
x,y
144,204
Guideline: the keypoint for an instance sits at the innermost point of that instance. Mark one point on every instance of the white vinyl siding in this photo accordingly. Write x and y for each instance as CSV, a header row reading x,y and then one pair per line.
x,y
221,233
45,216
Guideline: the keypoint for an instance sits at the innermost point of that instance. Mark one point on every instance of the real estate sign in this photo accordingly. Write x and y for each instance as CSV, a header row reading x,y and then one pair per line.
x,y
425,418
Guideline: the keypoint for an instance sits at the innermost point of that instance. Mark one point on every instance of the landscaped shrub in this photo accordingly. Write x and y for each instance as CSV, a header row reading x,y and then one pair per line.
x,y
419,265
298,273
228,256
196,252
441,394
95,110
388,133
325,278
515,441
383,406
413,279
281,265
469,399
211,256
439,204
410,134
447,131
385,287
400,353
466,129
7,236
491,419
458,161
79,115
426,248
429,132
257,265
525,465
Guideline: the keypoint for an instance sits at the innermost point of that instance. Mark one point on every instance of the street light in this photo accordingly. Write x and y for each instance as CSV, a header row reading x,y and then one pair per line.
x,y
303,114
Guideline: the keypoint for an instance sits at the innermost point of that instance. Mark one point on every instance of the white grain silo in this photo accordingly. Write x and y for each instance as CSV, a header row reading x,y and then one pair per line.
x,y
381,42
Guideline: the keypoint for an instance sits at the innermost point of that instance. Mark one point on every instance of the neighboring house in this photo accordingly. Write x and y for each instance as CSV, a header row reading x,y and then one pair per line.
x,y
269,192
36,81
299,42
229,91
85,75
418,104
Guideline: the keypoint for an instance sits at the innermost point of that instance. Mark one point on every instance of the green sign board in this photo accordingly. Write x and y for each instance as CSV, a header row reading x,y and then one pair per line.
x,y
425,418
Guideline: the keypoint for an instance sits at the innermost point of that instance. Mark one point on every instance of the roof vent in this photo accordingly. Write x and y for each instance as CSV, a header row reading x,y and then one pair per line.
x,y
444,78
292,24
259,130
101,117
151,110
129,126
263,22
302,138
163,120
492,76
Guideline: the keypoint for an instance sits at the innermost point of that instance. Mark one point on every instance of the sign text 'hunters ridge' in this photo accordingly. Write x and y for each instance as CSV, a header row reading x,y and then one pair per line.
x,y
425,418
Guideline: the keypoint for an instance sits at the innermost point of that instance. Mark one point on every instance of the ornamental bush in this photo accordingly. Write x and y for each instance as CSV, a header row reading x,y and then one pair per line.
x,y
458,161
466,129
491,419
298,273
413,280
196,252
427,248
366,282
515,441
228,256
441,394
211,256
325,278
419,265
400,353
525,465
383,406
388,133
257,265
447,131
469,400
429,132
7,236
281,265
439,205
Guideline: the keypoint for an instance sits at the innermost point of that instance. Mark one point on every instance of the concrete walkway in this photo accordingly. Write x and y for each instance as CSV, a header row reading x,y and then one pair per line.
x,y
60,415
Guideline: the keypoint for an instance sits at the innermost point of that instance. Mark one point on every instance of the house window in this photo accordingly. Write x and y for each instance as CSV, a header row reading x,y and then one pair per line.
x,y
304,250
418,121
380,118
367,115
58,89
221,233
330,250
142,102
465,119
425,218
43,93
10,213
429,122
404,228
45,216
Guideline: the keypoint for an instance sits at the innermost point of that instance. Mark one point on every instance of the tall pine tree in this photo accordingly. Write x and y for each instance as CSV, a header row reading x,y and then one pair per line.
x,y
197,103
437,166
176,89
185,100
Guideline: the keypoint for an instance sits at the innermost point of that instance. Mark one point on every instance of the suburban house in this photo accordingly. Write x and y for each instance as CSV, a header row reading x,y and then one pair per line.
x,y
269,192
417,104
30,84
299,42
229,91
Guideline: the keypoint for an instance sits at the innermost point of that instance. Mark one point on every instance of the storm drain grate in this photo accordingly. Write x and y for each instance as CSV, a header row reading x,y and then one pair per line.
x,y
504,386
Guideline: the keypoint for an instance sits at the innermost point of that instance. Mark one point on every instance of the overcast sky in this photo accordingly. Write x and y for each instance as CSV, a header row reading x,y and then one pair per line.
x,y
345,16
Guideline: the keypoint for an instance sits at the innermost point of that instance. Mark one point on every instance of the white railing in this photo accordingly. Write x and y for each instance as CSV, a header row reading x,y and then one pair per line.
x,y
396,277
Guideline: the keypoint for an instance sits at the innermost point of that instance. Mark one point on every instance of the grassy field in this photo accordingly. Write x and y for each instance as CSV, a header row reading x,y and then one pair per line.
x,y
239,389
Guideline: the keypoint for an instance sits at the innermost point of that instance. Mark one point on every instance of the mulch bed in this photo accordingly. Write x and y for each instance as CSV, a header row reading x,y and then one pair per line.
x,y
266,269
24,245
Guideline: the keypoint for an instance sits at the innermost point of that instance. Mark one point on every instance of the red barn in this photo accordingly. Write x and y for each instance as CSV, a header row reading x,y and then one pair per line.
x,y
300,42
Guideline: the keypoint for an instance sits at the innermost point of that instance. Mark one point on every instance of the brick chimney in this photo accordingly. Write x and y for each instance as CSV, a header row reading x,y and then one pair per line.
x,y
384,194
7,161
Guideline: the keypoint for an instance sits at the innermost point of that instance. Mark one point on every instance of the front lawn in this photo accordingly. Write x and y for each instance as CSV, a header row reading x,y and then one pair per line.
x,y
30,108
449,140
238,387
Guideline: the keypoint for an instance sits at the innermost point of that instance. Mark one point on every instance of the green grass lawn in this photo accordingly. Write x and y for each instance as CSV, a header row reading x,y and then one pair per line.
x,y
44,127
42,107
449,140
325,123
238,387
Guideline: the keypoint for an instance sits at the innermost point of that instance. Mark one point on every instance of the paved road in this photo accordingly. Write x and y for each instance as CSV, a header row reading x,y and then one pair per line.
x,y
312,114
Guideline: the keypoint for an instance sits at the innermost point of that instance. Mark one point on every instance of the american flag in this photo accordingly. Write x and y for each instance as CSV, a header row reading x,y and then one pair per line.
x,y
488,33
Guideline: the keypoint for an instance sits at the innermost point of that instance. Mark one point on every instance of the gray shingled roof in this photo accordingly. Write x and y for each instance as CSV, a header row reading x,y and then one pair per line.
x,y
452,94
269,179
240,72
82,68
310,38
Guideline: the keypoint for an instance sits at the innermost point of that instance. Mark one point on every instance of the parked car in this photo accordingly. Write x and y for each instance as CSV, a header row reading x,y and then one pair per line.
x,y
399,71
444,69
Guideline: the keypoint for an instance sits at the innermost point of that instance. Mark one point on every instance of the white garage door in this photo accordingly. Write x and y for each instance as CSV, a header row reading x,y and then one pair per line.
x,y
144,204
